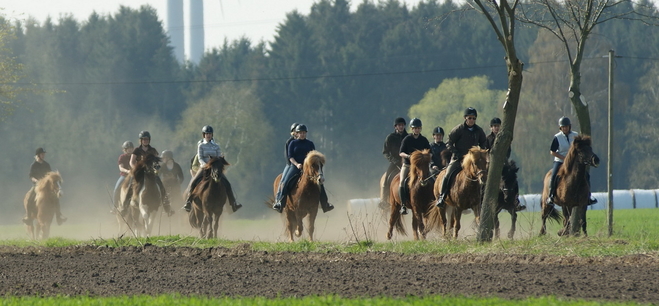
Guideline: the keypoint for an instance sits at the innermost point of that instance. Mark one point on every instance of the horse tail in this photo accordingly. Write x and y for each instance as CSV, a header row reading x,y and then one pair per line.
x,y
400,229
433,218
555,216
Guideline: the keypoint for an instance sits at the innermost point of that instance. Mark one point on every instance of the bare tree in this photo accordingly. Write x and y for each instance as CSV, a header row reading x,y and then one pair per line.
x,y
572,22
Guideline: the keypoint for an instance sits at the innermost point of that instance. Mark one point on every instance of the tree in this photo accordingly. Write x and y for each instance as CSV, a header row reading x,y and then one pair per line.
x,y
11,72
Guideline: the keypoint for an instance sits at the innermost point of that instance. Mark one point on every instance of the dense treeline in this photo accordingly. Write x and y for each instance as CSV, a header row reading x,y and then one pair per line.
x,y
345,74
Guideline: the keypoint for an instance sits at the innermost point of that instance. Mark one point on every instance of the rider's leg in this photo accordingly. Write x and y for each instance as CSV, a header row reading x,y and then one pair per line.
x,y
452,168
129,194
592,200
324,204
404,171
232,199
117,193
58,214
552,182
30,200
193,184
280,201
164,197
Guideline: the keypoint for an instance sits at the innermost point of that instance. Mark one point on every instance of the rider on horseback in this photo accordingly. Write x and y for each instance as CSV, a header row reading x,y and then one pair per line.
x,y
297,152
411,143
288,162
462,138
206,149
495,126
391,153
124,170
436,148
559,148
39,168
139,154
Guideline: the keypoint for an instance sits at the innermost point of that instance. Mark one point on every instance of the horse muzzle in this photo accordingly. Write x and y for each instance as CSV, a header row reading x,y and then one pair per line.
x,y
595,161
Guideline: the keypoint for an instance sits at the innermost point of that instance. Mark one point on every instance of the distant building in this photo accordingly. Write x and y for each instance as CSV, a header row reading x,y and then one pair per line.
x,y
186,34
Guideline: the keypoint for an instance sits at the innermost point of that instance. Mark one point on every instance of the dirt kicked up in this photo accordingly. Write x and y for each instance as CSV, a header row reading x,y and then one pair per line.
x,y
240,271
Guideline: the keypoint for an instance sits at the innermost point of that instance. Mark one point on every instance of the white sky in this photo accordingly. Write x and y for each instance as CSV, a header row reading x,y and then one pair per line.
x,y
255,19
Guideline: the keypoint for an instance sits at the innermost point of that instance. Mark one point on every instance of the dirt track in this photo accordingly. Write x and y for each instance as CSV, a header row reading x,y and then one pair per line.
x,y
101,271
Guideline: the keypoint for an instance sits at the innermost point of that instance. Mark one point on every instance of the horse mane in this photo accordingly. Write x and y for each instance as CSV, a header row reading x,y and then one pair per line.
x,y
312,158
419,165
48,182
577,145
218,161
471,158
446,157
138,171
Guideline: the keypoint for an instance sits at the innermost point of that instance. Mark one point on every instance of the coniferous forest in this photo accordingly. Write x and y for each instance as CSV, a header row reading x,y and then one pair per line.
x,y
98,82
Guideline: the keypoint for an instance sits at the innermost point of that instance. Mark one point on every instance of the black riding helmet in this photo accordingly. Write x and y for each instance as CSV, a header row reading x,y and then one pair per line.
x,y
293,126
416,122
470,111
495,121
145,134
438,130
399,120
301,128
564,121
207,129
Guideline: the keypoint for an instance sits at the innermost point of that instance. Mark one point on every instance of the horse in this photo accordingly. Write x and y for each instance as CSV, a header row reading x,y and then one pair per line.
x,y
465,192
141,213
508,197
421,196
304,197
208,199
572,190
48,191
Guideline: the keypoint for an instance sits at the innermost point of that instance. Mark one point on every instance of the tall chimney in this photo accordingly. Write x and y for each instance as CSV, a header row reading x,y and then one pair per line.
x,y
195,31
175,27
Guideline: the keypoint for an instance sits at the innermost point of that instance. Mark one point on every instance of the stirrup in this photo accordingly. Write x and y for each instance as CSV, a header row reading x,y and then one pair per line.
x,y
403,210
277,207
440,201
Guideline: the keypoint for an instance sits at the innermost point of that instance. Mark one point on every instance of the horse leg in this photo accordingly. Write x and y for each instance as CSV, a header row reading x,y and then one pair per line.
x,y
566,222
45,228
513,220
216,224
415,227
583,221
456,221
575,220
394,218
291,223
311,220
496,226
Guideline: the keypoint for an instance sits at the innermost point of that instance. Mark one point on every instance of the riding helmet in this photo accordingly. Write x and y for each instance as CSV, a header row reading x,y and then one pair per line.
x,y
145,134
438,130
293,126
127,145
416,122
564,121
399,120
167,154
470,111
301,128
207,129
495,121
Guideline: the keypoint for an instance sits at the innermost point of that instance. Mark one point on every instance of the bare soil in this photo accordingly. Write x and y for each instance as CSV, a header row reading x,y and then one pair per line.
x,y
151,270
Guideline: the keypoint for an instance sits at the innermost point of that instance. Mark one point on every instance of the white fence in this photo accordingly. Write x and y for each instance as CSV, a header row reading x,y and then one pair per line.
x,y
622,199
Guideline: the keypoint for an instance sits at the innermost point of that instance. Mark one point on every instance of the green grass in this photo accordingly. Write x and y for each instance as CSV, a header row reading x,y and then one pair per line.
x,y
177,300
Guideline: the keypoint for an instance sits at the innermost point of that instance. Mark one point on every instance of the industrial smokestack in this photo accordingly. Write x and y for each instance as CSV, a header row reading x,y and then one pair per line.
x,y
194,47
175,28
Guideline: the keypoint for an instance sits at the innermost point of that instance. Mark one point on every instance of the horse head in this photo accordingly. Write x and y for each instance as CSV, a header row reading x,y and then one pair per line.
x,y
420,167
216,165
313,167
509,185
150,165
51,183
582,145
475,164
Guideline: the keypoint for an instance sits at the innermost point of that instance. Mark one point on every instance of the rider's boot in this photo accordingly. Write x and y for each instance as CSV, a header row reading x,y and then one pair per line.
x,y
279,205
519,207
326,206
58,215
403,200
440,201
235,206
592,200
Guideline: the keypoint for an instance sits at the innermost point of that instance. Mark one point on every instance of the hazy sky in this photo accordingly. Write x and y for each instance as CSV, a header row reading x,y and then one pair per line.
x,y
255,19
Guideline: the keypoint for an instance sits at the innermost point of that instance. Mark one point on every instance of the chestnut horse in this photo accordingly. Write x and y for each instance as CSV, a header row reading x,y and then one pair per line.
x,y
572,191
48,191
140,215
420,186
304,198
465,192
208,199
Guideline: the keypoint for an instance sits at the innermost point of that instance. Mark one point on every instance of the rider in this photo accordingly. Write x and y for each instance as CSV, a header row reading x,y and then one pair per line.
x,y
139,154
297,152
124,169
171,174
391,152
495,127
39,168
288,162
206,149
411,143
436,148
460,140
559,148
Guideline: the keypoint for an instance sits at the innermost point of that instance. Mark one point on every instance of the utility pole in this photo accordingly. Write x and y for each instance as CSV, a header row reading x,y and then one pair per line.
x,y
609,163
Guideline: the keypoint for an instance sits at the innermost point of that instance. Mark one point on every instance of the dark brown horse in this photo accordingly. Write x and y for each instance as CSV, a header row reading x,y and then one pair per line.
x,y
48,191
140,215
508,197
421,196
572,191
304,197
465,192
208,199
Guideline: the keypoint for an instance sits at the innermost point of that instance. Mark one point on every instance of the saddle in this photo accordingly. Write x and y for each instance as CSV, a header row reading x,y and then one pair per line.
x,y
295,179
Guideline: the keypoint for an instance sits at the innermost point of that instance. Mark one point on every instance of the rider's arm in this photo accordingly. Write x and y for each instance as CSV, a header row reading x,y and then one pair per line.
x,y
133,160
554,148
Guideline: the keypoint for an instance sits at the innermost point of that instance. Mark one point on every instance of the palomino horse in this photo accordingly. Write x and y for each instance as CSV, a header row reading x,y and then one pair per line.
x,y
465,192
508,197
572,191
48,191
208,199
304,198
141,213
421,195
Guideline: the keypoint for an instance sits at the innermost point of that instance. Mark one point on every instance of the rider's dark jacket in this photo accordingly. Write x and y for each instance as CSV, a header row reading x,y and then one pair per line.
x,y
436,150
411,144
463,137
391,149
